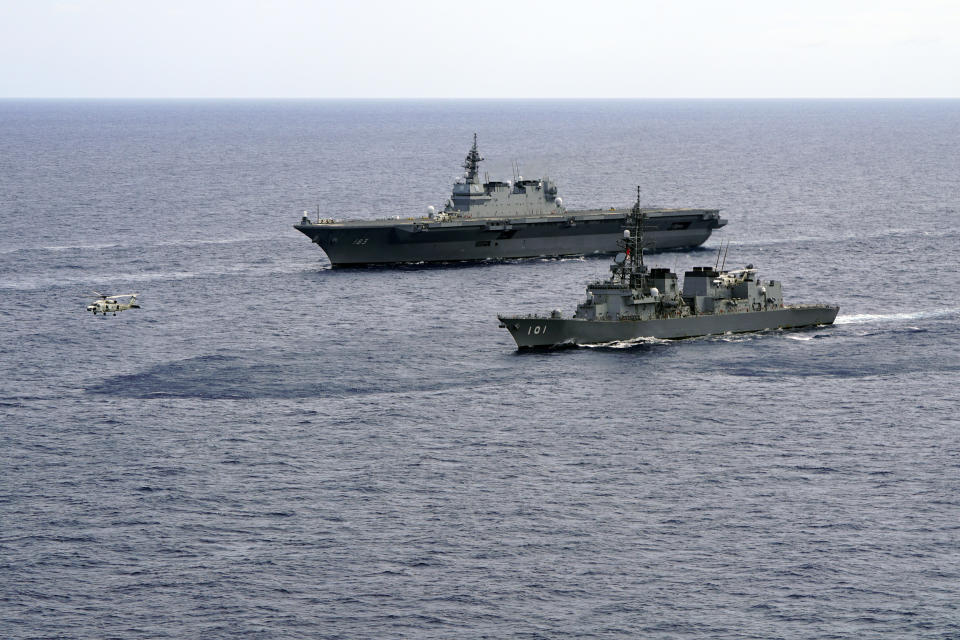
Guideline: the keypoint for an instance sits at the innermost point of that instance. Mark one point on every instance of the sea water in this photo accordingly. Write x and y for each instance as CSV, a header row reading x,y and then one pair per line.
x,y
269,448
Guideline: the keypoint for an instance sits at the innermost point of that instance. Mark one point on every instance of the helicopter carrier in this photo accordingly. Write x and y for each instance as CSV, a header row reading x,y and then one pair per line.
x,y
637,302
491,220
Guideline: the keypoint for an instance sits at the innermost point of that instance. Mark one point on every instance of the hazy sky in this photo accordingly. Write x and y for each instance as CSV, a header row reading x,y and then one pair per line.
x,y
487,49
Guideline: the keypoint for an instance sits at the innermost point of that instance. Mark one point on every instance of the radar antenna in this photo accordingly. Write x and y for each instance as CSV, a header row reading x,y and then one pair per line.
x,y
472,161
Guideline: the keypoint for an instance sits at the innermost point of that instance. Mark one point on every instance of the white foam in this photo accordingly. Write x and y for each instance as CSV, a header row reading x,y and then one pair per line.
x,y
870,318
70,247
846,237
59,247
191,242
102,279
625,344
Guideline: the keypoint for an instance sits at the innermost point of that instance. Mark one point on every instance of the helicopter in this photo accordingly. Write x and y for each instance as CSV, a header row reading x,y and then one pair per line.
x,y
107,304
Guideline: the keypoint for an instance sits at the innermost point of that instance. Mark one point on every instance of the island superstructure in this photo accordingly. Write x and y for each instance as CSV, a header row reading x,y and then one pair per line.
x,y
521,218
637,302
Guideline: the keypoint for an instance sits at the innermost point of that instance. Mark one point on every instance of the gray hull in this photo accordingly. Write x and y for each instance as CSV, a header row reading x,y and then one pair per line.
x,y
355,243
533,332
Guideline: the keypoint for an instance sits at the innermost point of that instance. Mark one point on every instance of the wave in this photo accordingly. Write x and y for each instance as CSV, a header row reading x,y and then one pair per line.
x,y
626,344
870,318
139,246
102,279
846,237
70,247
57,248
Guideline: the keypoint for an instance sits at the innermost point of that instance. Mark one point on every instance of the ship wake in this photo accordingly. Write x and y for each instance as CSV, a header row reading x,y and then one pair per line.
x,y
872,318
626,344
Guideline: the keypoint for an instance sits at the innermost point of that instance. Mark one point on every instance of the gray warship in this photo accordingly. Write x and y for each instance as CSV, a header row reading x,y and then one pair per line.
x,y
490,220
637,302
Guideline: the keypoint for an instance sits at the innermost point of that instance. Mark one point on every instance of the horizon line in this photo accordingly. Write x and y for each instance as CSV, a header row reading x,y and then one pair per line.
x,y
477,99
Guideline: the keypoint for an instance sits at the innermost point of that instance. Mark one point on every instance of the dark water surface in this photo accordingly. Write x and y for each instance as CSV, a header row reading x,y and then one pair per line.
x,y
272,449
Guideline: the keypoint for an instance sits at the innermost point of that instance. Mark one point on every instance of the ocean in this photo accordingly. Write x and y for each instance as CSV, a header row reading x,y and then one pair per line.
x,y
269,448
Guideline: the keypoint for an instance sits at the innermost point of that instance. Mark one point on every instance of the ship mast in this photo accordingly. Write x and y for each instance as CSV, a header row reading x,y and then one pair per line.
x,y
638,270
472,161
629,267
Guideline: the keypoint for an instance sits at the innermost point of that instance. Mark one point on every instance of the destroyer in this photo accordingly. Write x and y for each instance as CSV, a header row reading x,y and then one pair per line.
x,y
485,220
637,303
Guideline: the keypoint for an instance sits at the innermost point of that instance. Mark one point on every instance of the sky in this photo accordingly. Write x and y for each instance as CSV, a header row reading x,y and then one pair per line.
x,y
488,49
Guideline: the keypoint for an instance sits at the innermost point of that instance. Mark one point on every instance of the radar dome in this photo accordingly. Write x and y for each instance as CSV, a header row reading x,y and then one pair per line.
x,y
431,210
626,234
655,292
558,202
